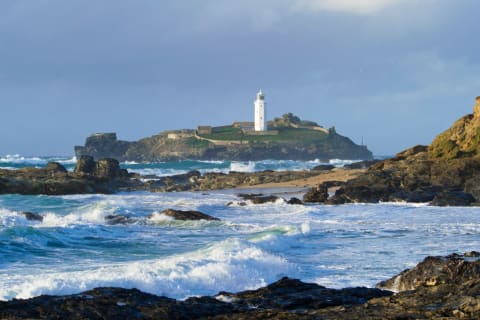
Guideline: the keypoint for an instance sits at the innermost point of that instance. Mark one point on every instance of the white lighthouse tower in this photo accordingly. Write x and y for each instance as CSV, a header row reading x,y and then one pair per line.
x,y
260,123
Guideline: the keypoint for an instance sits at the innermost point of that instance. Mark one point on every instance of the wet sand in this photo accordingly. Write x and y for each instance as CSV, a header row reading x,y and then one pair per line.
x,y
338,174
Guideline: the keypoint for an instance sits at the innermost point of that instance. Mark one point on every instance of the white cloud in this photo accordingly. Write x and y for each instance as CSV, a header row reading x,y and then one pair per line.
x,y
350,6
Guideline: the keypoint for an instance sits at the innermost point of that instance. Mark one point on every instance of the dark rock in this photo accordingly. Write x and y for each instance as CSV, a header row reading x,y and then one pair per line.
x,y
104,145
55,167
85,165
284,299
32,216
318,194
114,219
104,176
472,254
336,200
241,203
295,295
418,196
434,271
259,198
472,186
324,167
361,164
333,183
187,215
108,168
411,152
294,200
452,198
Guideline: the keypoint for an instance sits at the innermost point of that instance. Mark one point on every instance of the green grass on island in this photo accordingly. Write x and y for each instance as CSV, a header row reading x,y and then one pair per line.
x,y
230,133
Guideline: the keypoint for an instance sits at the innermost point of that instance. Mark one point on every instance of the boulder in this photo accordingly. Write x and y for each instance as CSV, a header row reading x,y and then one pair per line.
x,y
324,167
452,198
450,270
32,216
318,194
410,152
108,168
361,164
114,219
55,167
294,200
85,165
104,168
295,295
417,196
258,198
187,215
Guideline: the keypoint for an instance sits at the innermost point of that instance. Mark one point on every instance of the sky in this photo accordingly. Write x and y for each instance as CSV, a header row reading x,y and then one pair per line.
x,y
393,72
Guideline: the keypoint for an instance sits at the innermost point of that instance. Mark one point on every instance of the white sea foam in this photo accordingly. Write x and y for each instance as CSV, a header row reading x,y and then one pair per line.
x,y
75,249
212,161
10,218
72,160
16,158
158,217
340,162
231,265
242,166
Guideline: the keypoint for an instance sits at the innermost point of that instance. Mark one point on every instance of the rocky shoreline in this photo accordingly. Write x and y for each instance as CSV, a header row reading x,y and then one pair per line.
x,y
438,287
105,176
411,176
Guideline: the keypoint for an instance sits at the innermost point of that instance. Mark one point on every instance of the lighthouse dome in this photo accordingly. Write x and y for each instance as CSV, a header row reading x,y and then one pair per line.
x,y
260,95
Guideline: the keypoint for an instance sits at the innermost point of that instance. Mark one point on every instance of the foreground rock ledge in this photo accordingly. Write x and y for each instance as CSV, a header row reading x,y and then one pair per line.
x,y
439,287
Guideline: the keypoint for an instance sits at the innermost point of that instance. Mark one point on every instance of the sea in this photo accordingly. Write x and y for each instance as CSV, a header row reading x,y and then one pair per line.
x,y
75,249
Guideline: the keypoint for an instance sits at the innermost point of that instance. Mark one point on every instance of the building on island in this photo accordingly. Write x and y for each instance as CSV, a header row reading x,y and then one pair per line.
x,y
260,122
204,130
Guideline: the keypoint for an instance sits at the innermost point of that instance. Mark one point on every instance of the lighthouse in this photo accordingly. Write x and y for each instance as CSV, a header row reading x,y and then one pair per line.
x,y
260,123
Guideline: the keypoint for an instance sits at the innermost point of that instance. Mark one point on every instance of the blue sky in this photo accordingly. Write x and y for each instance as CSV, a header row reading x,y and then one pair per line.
x,y
396,72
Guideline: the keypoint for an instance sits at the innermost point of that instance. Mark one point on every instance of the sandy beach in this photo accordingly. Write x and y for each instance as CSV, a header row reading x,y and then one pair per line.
x,y
338,174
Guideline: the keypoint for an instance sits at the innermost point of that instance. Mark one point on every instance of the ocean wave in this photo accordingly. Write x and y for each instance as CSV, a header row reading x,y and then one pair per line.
x,y
341,162
242,166
16,158
231,265
18,161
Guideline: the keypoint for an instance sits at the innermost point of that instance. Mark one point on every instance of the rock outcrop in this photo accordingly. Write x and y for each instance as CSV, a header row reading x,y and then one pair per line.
x,y
103,176
187,215
461,140
437,288
446,173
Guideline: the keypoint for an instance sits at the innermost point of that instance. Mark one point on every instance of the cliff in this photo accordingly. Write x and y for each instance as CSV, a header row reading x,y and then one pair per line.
x,y
446,173
287,138
461,140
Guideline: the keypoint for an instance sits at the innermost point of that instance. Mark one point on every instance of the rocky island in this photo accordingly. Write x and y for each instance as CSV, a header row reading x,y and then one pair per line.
x,y
287,138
